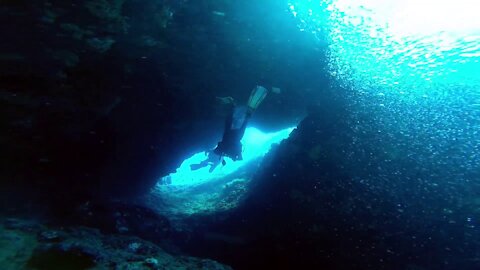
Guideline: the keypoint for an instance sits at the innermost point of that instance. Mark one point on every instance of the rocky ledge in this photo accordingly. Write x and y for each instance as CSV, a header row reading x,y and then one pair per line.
x,y
26,244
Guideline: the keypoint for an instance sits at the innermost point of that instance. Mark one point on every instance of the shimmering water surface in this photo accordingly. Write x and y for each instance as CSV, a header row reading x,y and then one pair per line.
x,y
411,73
414,48
416,64
413,69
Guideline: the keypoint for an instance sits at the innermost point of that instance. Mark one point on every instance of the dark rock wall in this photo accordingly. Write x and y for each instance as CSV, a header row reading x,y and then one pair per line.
x,y
335,196
105,96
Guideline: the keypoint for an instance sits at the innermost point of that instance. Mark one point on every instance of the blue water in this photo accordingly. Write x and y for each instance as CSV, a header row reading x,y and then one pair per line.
x,y
413,69
414,66
408,48
188,192
255,143
364,154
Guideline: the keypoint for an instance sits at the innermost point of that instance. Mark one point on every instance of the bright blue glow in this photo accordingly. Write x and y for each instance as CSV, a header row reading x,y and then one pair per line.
x,y
255,144
413,66
408,48
412,17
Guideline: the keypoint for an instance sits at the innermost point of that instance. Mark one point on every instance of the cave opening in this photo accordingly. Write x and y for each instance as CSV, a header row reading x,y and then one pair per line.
x,y
188,192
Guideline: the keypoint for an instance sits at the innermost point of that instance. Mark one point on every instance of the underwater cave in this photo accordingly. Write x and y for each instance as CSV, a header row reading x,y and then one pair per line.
x,y
132,139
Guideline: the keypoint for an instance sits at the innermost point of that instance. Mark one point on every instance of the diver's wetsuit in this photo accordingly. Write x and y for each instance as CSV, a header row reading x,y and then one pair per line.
x,y
235,126
231,145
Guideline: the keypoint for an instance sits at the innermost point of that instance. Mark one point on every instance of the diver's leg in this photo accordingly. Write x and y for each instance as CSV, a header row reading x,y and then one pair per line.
x,y
200,165
241,132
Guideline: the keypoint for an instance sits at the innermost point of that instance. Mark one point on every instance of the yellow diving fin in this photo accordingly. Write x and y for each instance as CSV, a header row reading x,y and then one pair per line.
x,y
256,97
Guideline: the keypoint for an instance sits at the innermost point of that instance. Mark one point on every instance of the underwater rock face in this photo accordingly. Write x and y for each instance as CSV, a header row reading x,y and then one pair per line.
x,y
105,96
26,244
76,121
307,208
17,247
121,218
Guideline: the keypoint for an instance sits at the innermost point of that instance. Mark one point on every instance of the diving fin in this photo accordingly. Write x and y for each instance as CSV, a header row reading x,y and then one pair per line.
x,y
256,97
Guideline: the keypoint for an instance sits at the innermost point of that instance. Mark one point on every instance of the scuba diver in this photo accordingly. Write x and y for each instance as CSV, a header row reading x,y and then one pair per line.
x,y
235,125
